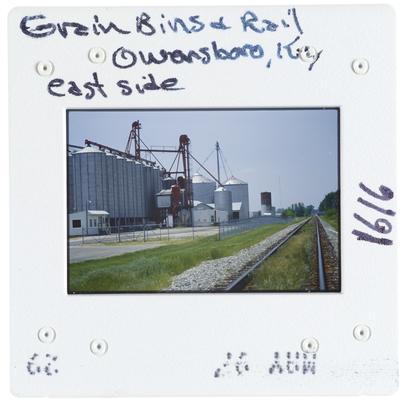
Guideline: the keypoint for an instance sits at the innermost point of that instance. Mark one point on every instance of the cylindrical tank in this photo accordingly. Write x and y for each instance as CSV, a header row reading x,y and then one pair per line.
x,y
266,202
157,178
131,195
239,193
147,176
140,211
203,188
112,187
223,200
71,185
90,184
121,183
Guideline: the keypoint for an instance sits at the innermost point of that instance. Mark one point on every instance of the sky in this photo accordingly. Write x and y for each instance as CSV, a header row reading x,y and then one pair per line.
x,y
291,153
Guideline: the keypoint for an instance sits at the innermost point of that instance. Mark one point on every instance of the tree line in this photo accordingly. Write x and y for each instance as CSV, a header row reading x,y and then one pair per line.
x,y
330,205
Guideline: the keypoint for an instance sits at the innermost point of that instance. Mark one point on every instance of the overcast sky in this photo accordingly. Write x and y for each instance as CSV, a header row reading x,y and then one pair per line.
x,y
291,153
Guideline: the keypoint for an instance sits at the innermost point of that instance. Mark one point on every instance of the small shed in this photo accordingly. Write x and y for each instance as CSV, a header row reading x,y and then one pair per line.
x,y
96,222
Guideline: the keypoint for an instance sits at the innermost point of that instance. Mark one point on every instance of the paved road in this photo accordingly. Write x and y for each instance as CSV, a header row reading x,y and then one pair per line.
x,y
94,252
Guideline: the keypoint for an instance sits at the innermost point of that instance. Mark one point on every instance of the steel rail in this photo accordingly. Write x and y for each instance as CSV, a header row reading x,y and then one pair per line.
x,y
322,278
239,282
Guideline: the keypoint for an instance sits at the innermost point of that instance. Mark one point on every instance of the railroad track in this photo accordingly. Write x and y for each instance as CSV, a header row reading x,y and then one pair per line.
x,y
330,271
327,274
236,284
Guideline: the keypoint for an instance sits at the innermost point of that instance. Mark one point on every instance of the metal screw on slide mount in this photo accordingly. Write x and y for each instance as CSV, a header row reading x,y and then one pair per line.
x,y
46,334
310,345
97,55
362,333
98,347
360,66
44,68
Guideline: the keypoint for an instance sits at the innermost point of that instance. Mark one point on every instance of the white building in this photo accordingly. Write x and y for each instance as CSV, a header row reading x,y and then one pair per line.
x,y
206,214
97,222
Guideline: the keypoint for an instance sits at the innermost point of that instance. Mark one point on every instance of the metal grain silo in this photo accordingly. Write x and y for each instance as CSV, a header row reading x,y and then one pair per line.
x,y
131,196
71,187
112,188
223,200
203,188
155,171
140,204
239,193
160,178
148,198
151,192
121,179
78,187
89,180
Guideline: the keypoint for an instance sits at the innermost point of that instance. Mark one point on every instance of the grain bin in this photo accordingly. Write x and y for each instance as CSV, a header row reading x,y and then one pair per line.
x,y
157,179
112,188
140,206
131,190
203,188
148,198
90,184
239,193
223,200
121,185
71,202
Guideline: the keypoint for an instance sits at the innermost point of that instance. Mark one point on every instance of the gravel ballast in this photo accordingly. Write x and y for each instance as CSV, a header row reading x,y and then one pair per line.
x,y
332,236
212,274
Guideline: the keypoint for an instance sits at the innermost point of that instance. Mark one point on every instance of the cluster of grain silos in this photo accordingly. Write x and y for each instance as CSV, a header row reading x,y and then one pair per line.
x,y
239,194
123,187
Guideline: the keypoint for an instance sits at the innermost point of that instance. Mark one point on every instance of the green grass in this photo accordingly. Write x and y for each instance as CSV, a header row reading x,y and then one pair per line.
x,y
289,269
164,242
331,217
152,270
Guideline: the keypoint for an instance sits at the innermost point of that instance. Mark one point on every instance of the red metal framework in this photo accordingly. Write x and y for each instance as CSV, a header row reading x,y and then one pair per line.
x,y
134,136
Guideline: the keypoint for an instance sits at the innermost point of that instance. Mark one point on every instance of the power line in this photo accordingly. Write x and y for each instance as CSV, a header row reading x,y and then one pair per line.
x,y
206,159
225,160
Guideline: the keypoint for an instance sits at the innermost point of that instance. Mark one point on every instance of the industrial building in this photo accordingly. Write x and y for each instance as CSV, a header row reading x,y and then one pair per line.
x,y
90,222
227,202
122,187
207,214
111,188
266,203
